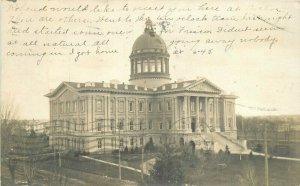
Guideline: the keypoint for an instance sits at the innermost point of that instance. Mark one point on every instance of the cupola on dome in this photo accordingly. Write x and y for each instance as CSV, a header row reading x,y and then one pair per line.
x,y
149,39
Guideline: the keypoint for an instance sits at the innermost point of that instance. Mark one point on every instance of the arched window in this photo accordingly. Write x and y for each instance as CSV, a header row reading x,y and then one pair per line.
x,y
158,63
139,67
152,65
145,66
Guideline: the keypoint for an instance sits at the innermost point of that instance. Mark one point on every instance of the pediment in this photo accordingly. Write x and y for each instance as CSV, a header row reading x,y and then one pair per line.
x,y
62,91
204,86
66,94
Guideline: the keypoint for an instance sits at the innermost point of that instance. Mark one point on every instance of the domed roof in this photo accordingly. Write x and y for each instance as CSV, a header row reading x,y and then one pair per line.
x,y
149,39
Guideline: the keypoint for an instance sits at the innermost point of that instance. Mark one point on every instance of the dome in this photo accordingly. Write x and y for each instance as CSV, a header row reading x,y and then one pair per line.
x,y
149,60
149,40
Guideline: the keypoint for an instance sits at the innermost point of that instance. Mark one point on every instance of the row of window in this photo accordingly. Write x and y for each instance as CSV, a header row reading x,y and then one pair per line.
x,y
73,143
131,106
149,66
71,106
68,106
101,142
132,125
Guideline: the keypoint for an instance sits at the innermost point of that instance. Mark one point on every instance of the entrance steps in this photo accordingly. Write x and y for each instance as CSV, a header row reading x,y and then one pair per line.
x,y
235,146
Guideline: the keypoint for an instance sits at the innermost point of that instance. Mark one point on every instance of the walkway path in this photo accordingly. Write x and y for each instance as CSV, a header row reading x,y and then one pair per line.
x,y
106,162
277,157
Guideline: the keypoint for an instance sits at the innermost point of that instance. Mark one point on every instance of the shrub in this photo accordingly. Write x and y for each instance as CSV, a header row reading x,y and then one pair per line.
x,y
149,147
126,150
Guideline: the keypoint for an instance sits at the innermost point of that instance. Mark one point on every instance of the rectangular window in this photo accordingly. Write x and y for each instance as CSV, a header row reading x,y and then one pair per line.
x,y
141,106
168,106
229,122
158,66
82,105
200,106
141,124
68,125
150,107
152,66
121,142
210,107
139,67
112,142
131,106
99,105
112,124
54,108
112,108
131,125
121,106
229,107
160,125
121,124
150,124
61,107
159,107
183,124
192,106
67,106
99,143
131,141
75,125
82,125
99,125
170,124
145,64
141,141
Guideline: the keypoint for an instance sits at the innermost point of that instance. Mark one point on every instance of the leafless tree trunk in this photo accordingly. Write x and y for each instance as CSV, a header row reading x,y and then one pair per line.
x,y
8,113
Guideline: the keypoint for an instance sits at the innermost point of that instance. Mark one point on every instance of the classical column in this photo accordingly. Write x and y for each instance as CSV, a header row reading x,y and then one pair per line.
x,y
185,104
126,114
233,115
176,114
215,113
116,114
189,112
131,67
217,127
90,113
135,64
224,115
206,114
197,115
136,120
167,66
142,65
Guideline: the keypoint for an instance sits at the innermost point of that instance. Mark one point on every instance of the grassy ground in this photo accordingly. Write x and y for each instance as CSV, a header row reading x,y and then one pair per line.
x,y
132,160
198,172
78,171
281,172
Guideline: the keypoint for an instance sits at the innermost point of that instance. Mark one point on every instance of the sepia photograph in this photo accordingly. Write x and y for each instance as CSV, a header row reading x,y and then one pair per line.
x,y
155,92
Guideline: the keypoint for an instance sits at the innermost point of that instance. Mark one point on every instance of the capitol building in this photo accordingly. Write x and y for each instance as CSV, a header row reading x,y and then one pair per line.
x,y
101,117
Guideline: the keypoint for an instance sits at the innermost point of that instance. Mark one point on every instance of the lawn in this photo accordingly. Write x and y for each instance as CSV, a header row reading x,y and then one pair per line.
x,y
213,171
281,172
79,172
132,160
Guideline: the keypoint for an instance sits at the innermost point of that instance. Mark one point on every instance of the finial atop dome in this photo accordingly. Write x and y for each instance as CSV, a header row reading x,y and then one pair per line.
x,y
149,24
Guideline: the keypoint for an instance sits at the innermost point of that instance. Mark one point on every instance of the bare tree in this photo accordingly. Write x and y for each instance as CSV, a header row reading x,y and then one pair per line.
x,y
8,114
248,177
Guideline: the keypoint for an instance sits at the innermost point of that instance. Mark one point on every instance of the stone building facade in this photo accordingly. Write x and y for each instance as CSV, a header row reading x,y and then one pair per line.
x,y
101,117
